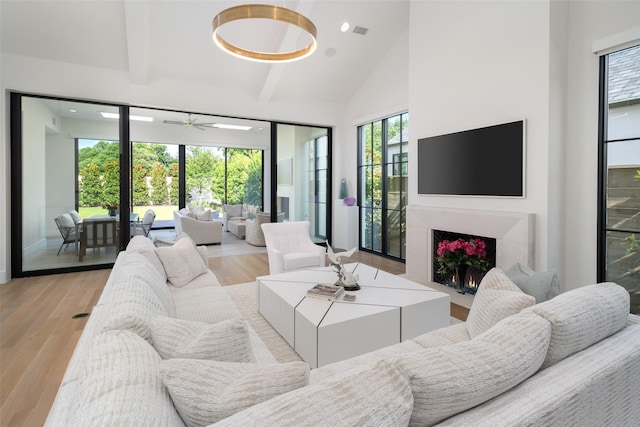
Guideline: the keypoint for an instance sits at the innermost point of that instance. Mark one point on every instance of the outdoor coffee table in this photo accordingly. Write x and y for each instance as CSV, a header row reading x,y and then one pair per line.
x,y
237,227
388,309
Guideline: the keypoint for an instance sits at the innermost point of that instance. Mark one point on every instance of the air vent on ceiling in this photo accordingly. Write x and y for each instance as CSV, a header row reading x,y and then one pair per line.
x,y
360,30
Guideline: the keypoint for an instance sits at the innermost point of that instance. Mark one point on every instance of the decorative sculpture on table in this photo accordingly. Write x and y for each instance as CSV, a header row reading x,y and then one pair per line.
x,y
346,279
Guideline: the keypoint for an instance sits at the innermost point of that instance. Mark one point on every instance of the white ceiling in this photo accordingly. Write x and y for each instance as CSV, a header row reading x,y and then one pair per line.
x,y
155,40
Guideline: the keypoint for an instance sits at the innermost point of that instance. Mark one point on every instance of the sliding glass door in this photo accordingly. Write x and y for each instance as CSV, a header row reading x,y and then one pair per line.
x,y
83,172
67,170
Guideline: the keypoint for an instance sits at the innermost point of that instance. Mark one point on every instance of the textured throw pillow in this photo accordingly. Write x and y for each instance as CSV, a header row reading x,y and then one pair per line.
x,y
121,385
451,379
233,211
66,221
203,214
131,306
181,262
582,317
134,265
206,391
227,341
497,298
75,216
369,395
542,286
145,247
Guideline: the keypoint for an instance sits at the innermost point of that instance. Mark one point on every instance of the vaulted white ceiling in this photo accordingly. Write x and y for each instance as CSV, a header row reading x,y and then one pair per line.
x,y
157,40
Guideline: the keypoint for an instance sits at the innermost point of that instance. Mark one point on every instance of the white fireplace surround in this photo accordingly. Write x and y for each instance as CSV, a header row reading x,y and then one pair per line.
x,y
513,231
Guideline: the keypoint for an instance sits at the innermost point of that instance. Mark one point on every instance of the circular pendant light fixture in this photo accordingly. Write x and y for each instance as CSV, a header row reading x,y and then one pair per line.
x,y
263,11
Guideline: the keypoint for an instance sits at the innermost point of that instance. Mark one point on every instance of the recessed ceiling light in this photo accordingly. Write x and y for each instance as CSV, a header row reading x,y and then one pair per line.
x,y
345,27
72,111
136,118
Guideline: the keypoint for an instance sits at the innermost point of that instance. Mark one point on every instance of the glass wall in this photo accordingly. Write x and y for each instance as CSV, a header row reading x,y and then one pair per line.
x,y
619,245
110,163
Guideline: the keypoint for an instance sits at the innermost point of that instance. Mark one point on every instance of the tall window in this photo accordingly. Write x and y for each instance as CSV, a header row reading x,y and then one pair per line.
x,y
619,212
382,184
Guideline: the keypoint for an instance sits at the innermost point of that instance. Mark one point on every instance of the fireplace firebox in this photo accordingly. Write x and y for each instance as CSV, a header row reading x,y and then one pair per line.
x,y
460,261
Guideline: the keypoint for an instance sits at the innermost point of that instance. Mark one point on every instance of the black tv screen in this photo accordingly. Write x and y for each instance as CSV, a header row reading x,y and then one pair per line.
x,y
488,161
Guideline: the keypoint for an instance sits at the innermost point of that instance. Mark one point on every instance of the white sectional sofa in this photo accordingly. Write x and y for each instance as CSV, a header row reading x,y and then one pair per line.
x,y
572,360
202,229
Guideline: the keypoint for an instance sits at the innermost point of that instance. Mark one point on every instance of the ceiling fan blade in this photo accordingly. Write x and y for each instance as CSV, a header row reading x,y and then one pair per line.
x,y
197,127
174,122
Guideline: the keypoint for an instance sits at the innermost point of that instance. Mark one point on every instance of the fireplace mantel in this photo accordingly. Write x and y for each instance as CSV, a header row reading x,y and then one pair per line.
x,y
513,231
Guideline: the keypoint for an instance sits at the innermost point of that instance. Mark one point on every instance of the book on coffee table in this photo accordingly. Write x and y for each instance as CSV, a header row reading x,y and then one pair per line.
x,y
325,290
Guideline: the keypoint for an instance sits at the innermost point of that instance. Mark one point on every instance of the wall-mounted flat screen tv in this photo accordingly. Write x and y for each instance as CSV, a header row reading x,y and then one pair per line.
x,y
488,161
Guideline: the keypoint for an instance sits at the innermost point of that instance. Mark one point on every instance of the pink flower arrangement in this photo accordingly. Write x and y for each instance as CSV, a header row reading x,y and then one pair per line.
x,y
452,254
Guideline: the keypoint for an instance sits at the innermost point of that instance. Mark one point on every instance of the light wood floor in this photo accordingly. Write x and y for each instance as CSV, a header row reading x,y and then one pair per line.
x,y
38,332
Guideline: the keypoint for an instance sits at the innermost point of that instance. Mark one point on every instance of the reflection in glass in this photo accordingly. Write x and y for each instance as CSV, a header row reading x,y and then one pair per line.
x,y
623,264
623,185
302,177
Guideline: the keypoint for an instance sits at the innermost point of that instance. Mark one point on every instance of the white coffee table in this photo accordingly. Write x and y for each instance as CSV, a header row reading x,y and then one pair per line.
x,y
387,310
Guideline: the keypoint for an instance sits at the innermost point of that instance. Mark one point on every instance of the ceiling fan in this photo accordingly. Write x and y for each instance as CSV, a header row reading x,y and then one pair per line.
x,y
190,123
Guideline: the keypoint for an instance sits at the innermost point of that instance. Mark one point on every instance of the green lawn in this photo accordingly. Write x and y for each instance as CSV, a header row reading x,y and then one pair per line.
x,y
163,212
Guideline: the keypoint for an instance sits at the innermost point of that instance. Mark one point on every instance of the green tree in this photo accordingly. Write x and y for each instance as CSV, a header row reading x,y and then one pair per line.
x,y
90,188
101,153
161,154
173,185
159,189
111,184
200,166
238,162
149,155
140,189
253,184
218,185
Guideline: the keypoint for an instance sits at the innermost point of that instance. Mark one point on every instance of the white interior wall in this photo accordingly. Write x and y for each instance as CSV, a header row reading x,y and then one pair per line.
x,y
34,172
60,180
473,64
286,151
556,186
588,22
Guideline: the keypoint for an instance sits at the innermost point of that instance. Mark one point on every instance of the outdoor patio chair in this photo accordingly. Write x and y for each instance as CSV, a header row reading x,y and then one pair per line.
x,y
98,233
143,227
68,230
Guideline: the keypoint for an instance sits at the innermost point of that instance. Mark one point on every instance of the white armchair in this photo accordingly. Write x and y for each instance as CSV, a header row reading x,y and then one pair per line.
x,y
289,247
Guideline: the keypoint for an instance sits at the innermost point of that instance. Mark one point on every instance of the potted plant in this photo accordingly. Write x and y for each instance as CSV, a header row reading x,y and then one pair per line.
x,y
455,256
111,208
